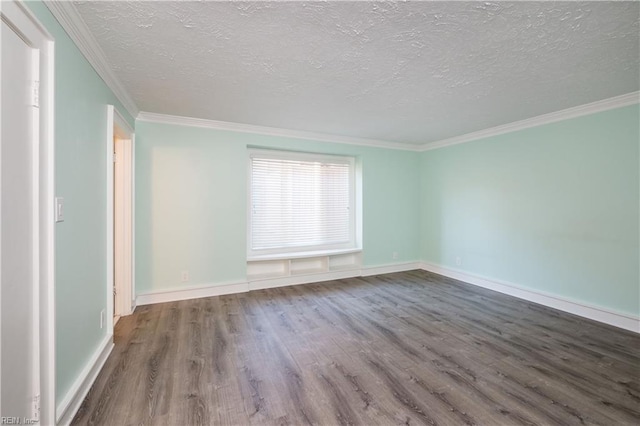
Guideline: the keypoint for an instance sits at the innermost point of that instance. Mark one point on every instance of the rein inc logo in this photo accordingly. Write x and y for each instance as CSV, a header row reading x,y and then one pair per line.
x,y
8,420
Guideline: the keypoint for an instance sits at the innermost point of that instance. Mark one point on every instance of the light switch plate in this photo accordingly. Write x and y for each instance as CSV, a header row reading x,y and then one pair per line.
x,y
59,209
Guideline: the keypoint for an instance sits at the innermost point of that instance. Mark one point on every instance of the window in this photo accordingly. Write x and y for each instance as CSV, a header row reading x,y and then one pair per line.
x,y
300,203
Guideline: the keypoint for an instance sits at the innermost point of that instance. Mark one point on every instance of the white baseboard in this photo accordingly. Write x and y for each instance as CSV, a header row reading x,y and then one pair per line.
x,y
220,289
617,319
391,268
303,279
193,292
67,408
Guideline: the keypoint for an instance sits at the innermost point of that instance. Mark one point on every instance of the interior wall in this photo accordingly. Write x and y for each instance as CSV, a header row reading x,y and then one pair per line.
x,y
191,203
553,208
81,99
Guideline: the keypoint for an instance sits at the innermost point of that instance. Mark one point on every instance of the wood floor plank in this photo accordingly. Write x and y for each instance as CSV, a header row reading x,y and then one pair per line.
x,y
406,348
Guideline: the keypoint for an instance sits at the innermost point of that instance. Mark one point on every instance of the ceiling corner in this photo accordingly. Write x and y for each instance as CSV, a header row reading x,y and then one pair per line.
x,y
67,15
272,131
620,101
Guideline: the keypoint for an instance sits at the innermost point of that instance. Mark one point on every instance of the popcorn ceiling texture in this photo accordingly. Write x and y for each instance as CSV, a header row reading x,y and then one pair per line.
x,y
409,72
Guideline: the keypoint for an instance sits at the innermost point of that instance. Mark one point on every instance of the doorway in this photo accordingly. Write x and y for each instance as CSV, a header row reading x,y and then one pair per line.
x,y
122,221
26,218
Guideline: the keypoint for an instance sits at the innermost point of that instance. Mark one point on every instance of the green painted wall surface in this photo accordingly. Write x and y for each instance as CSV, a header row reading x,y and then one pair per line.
x,y
553,208
191,203
81,98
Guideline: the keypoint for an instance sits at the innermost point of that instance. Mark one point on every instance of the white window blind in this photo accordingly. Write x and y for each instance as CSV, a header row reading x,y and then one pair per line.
x,y
300,202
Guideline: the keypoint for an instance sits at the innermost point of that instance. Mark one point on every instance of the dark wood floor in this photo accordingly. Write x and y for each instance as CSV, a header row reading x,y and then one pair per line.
x,y
406,348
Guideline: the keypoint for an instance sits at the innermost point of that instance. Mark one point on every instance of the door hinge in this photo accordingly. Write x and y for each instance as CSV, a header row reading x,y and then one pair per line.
x,y
114,157
36,408
35,94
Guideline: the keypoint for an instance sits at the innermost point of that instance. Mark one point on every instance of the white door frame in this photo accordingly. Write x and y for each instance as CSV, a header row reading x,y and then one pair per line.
x,y
20,18
117,126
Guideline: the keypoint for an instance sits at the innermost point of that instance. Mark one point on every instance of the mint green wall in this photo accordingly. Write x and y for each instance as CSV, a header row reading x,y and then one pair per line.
x,y
191,203
80,130
552,208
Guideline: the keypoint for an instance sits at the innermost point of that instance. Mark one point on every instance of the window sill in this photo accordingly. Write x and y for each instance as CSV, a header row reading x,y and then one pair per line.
x,y
301,255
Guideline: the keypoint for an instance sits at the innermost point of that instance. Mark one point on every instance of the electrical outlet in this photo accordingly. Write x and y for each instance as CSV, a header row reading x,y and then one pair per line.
x,y
102,318
184,277
395,255
458,261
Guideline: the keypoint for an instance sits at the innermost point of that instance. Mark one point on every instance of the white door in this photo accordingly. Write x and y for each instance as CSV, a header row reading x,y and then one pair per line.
x,y
120,187
122,218
19,372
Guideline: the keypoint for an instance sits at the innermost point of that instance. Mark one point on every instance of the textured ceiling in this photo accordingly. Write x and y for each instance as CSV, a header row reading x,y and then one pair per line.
x,y
412,72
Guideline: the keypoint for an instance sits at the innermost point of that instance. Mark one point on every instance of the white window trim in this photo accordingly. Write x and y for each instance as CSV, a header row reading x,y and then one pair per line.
x,y
293,252
302,254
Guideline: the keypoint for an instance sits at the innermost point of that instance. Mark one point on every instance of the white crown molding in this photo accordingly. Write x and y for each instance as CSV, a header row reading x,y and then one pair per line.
x,y
591,108
71,21
595,313
565,114
270,131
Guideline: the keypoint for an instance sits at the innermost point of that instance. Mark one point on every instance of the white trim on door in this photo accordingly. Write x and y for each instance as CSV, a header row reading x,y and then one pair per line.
x,y
19,17
120,129
109,212
133,222
122,124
